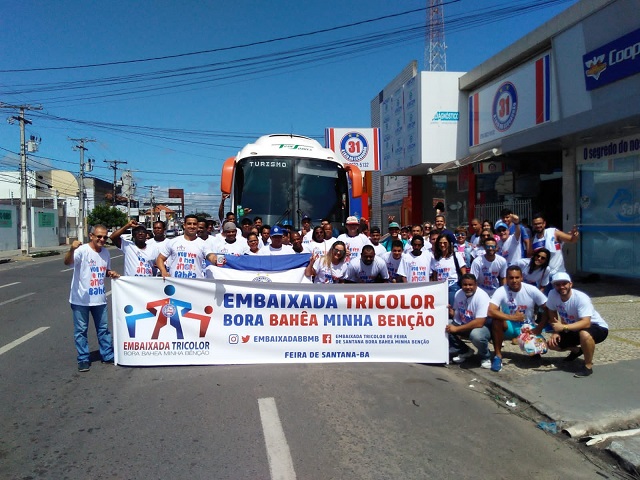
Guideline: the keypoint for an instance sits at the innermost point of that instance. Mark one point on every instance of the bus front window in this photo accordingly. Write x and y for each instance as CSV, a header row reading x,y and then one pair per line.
x,y
280,189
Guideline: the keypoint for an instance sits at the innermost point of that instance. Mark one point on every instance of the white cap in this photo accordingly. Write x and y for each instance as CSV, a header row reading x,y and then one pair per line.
x,y
561,277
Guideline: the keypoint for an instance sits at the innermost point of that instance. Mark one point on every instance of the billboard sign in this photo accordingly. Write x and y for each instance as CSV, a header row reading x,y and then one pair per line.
x,y
356,146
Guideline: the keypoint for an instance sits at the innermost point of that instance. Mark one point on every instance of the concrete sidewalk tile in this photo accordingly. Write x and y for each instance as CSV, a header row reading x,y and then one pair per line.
x,y
628,451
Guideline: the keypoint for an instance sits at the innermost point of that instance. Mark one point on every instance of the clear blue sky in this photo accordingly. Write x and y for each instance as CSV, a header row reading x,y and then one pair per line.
x,y
211,104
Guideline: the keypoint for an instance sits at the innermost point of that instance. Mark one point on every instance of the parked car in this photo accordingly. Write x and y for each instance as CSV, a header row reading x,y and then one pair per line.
x,y
170,233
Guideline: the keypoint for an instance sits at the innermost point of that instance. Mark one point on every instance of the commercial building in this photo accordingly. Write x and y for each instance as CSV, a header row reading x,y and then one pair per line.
x,y
552,124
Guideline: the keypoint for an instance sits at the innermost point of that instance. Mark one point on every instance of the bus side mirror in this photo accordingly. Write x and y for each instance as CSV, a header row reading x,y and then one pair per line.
x,y
226,179
355,176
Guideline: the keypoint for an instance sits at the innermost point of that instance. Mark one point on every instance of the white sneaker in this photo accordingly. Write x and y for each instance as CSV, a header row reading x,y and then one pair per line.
x,y
486,363
463,356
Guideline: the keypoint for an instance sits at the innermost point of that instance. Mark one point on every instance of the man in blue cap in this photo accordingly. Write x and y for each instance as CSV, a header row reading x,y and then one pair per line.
x,y
276,247
509,246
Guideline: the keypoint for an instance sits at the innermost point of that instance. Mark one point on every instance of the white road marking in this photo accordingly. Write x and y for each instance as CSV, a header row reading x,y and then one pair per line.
x,y
67,269
108,293
9,284
17,298
280,463
117,256
17,342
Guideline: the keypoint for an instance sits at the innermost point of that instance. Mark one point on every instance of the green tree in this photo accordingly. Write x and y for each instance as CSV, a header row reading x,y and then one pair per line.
x,y
107,216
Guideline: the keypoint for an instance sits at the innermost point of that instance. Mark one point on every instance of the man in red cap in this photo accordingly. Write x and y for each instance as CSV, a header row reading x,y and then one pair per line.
x,y
353,239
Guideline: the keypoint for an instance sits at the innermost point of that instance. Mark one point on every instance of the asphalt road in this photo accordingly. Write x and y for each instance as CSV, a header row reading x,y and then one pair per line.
x,y
332,421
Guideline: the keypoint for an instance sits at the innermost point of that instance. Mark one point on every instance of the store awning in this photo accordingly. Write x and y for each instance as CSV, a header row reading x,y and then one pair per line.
x,y
468,160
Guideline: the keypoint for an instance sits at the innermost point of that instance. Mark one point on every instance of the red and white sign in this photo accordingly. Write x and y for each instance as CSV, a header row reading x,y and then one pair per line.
x,y
357,146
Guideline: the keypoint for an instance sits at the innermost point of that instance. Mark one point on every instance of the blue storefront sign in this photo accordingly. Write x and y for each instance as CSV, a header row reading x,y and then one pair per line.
x,y
614,61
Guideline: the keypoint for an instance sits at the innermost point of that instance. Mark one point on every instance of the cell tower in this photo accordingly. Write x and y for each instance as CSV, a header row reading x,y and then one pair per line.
x,y
435,54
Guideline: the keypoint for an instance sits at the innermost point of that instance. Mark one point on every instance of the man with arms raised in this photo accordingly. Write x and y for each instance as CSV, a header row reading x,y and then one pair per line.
x,y
551,239
139,256
184,254
509,244
577,326
512,306
91,265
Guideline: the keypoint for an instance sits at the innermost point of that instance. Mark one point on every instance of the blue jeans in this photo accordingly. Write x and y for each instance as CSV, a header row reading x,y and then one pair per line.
x,y
453,289
479,337
81,327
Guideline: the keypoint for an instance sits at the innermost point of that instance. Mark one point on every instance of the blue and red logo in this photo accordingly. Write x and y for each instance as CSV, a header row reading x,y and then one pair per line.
x,y
354,147
168,311
505,107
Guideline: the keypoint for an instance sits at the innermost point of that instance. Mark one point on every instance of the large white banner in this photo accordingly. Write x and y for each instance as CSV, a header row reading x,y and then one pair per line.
x,y
208,322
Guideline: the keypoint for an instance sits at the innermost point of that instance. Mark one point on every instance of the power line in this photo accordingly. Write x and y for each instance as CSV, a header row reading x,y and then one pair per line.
x,y
220,49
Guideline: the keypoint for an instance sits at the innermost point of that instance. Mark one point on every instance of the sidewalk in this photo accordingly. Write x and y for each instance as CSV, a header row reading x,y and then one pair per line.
x,y
16,255
609,400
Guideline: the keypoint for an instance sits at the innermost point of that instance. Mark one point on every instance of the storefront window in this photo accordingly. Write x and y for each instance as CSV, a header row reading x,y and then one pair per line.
x,y
609,212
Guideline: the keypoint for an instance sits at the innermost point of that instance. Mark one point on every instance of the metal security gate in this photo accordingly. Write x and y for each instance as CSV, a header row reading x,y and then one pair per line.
x,y
491,211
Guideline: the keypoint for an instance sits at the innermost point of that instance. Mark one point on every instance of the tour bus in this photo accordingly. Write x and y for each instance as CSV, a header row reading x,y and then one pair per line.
x,y
283,177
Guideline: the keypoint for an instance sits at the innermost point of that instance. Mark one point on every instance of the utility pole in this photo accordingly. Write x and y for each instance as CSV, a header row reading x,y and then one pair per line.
x,y
81,214
153,207
24,221
113,164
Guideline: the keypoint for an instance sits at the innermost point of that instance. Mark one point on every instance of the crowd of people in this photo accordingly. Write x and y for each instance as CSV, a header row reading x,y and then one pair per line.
x,y
501,277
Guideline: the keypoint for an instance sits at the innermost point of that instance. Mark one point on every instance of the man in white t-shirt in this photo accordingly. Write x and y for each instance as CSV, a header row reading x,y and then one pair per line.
x,y
88,296
469,315
512,306
369,268
415,266
230,244
277,247
551,239
393,259
489,269
352,239
577,326
509,245
139,256
184,255
374,236
298,245
159,236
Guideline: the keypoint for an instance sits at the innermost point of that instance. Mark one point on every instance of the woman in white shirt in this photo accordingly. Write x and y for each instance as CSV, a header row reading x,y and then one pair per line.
x,y
331,267
447,264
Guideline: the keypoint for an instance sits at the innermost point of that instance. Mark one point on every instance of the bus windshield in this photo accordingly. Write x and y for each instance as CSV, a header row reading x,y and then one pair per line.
x,y
282,189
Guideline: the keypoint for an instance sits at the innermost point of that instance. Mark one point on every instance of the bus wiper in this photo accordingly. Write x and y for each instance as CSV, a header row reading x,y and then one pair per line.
x,y
284,214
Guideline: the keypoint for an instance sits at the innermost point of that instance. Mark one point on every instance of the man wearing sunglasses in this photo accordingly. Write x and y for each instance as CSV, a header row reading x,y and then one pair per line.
x,y
489,269
91,266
